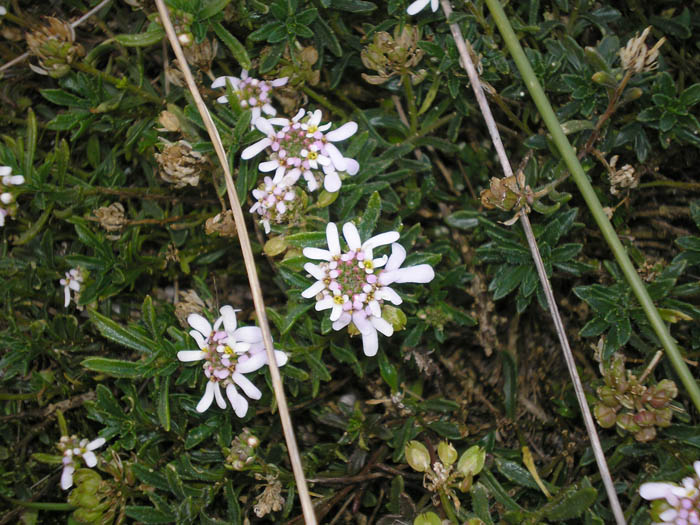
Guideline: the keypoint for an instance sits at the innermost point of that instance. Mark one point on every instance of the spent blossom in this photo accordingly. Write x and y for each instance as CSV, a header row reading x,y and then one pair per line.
x,y
251,92
304,146
679,505
7,200
275,200
419,5
353,284
636,57
228,352
73,451
73,281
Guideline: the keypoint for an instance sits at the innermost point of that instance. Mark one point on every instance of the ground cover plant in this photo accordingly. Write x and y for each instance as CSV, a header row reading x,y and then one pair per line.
x,y
422,371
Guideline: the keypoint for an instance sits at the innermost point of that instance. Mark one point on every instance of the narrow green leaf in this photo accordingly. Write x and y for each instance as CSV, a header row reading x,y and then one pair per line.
x,y
148,514
388,371
234,45
573,505
212,7
30,145
113,367
164,403
371,215
121,335
152,36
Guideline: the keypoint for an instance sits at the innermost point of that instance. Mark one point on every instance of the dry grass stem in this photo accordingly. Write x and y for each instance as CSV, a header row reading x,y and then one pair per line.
x,y
532,243
249,260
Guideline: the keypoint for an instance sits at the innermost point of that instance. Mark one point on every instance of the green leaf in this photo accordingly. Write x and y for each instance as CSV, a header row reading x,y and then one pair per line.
x,y
234,45
212,7
63,98
370,217
691,95
30,143
516,473
510,386
507,280
307,239
388,371
572,505
272,58
148,315
121,335
463,219
153,35
164,404
148,514
480,502
113,367
199,433
327,37
445,429
353,6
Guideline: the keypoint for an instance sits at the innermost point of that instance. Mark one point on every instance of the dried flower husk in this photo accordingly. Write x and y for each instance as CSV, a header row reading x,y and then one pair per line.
x,y
55,47
180,164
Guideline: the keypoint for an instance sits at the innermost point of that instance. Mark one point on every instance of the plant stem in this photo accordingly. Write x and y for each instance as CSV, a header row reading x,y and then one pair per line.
x,y
410,102
325,102
447,507
594,206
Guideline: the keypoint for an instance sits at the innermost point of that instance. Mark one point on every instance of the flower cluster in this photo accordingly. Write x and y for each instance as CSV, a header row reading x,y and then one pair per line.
x,y
276,200
301,146
675,504
353,284
7,200
72,450
73,281
251,93
227,355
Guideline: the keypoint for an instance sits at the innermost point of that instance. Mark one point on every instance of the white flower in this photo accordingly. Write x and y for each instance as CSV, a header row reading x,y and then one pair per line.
x,y
302,146
681,505
73,281
275,200
73,449
419,5
227,355
353,284
7,200
251,92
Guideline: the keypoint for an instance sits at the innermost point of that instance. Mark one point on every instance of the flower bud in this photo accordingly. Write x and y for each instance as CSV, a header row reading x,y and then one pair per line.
x,y
607,396
253,442
644,418
417,456
427,518
472,461
447,453
626,422
662,393
605,415
645,435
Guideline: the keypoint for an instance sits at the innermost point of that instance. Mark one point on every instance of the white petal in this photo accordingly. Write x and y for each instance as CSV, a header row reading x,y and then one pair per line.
x,y
654,490
382,325
90,459
299,115
228,314
66,296
207,398
269,110
422,273
67,477
74,285
434,5
15,180
352,236
352,166
281,357
255,116
6,198
268,165
696,466
95,443
255,362
200,324
5,171
336,311
375,308
279,82
325,304
318,254
398,256
342,321
254,149
669,516
416,6
315,271
248,334
313,290
252,391
332,238
390,295
278,121
343,132
223,99
219,82
336,157
190,355
199,338
315,119
264,126
381,240
331,182
217,395
238,402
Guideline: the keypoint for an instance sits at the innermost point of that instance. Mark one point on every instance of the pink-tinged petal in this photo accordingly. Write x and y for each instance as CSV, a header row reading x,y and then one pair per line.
x,y
268,165
187,356
318,254
252,391
292,176
398,256
343,132
422,273
654,490
352,166
264,126
207,398
381,240
223,99
248,334
315,271
253,150
382,325
200,324
370,341
360,321
95,443
219,82
74,285
255,362
696,466
342,321
336,311
238,402
352,236
669,516
310,181
279,82
375,308
279,121
14,180
336,157
5,171
299,115
228,314
390,295
90,459
281,357
315,119
219,398
66,296
313,290
331,182
332,238
199,338
325,304
255,116
434,5
67,477
417,6
269,110
244,74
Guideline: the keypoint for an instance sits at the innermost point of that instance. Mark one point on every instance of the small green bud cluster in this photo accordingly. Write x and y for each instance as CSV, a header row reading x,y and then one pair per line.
x,y
242,451
443,474
624,401
92,497
55,47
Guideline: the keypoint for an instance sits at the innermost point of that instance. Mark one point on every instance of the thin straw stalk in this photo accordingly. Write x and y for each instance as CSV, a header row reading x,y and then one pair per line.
x,y
584,186
539,265
249,260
